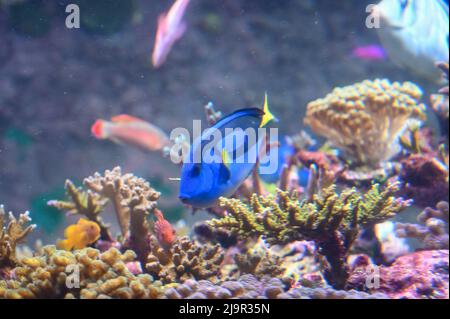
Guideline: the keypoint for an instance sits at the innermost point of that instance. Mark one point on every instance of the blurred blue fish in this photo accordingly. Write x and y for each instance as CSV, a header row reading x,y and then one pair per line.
x,y
215,175
415,34
285,151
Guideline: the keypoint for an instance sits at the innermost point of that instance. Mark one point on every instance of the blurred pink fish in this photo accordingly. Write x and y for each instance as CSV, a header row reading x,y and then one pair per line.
x,y
127,129
371,52
171,28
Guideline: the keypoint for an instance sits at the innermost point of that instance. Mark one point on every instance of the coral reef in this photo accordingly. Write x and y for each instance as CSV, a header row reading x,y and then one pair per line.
x,y
101,275
440,102
132,197
432,230
424,178
205,233
421,275
258,260
247,287
328,293
186,259
12,232
365,120
332,220
308,245
250,287
259,264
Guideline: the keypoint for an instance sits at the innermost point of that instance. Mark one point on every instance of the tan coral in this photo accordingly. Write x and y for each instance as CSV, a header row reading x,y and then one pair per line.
x,y
433,230
85,203
54,274
365,120
258,260
127,193
133,199
444,67
12,232
186,259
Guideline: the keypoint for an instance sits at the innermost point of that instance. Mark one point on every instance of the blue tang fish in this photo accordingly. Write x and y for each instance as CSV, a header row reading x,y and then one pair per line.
x,y
415,34
226,161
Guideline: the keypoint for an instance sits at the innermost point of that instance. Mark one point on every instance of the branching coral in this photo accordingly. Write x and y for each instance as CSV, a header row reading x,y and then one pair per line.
x,y
186,259
84,203
440,102
131,196
434,231
365,120
258,260
331,220
86,273
12,232
259,264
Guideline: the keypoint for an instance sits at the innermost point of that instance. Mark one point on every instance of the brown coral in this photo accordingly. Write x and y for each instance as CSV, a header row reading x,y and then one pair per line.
x,y
420,275
85,273
365,120
128,194
443,66
433,231
424,178
250,287
186,259
258,260
12,232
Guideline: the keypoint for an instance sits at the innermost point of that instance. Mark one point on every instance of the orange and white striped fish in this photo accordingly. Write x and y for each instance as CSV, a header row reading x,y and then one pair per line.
x,y
171,28
127,129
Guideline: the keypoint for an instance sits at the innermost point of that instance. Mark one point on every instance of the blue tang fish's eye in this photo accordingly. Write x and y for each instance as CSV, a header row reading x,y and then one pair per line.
x,y
195,171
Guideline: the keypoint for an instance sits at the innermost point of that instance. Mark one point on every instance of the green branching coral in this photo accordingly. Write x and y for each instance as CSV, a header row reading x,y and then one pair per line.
x,y
12,232
332,220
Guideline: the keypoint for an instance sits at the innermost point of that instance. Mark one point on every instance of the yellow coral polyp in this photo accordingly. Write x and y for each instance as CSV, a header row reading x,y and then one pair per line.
x,y
365,120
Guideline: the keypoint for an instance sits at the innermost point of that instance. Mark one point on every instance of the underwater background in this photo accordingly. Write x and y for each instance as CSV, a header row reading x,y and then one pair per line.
x,y
56,82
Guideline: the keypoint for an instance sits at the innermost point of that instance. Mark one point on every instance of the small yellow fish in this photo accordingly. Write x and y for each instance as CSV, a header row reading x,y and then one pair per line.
x,y
80,235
